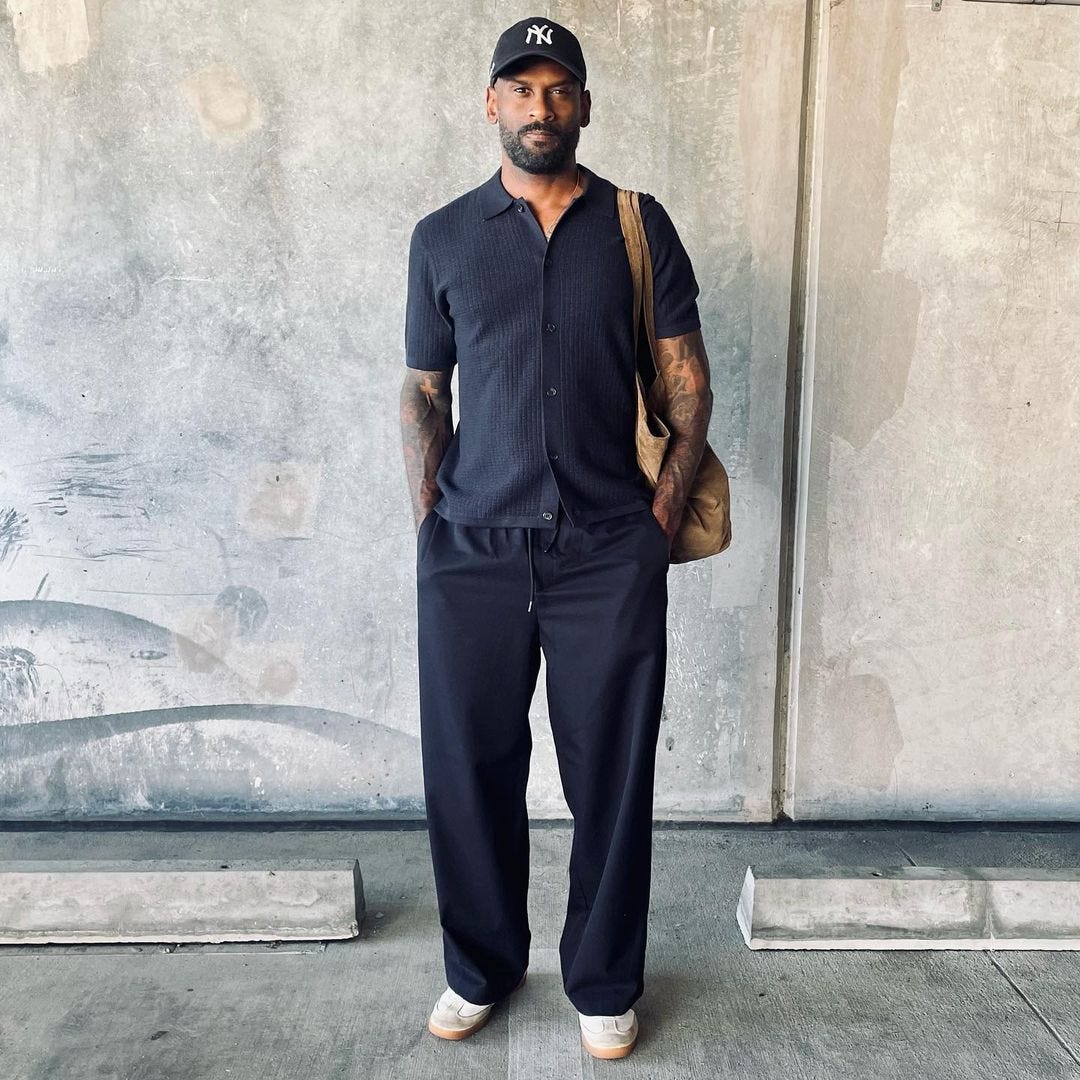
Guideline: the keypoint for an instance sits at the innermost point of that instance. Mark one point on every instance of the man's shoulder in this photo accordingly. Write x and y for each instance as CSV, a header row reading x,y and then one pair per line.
x,y
659,226
650,206
449,219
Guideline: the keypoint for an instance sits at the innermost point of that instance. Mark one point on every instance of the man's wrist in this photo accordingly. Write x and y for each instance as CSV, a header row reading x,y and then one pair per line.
x,y
668,517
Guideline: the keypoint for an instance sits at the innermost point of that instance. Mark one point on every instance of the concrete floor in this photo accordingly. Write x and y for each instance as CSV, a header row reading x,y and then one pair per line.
x,y
711,1008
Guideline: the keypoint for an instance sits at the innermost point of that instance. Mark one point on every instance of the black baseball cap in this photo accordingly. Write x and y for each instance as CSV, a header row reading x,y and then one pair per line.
x,y
538,37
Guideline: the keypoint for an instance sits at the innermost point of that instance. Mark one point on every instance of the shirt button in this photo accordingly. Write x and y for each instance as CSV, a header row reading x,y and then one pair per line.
x,y
547,262
554,457
551,391
548,515
550,328
520,208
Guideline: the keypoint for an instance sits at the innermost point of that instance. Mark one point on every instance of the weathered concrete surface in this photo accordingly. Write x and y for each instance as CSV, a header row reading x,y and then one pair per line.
x,y
712,1008
940,619
90,900
910,907
205,211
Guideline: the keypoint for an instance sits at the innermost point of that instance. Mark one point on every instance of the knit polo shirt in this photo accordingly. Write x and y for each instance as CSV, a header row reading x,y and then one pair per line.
x,y
542,334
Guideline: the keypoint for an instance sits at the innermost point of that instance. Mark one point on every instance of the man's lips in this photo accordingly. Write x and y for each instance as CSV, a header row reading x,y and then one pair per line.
x,y
541,134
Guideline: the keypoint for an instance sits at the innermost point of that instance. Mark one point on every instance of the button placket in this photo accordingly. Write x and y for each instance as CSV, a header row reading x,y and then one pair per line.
x,y
550,381
550,374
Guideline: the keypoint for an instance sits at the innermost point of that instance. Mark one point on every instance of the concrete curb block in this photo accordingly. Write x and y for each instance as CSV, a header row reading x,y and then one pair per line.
x,y
177,900
910,907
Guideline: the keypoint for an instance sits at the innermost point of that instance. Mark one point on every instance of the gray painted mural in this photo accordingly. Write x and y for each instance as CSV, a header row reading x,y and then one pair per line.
x,y
65,751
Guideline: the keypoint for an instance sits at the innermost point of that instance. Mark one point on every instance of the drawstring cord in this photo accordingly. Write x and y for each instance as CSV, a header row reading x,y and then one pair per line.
x,y
532,588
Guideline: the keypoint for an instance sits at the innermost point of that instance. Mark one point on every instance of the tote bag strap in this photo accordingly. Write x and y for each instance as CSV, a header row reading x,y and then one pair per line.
x,y
637,250
627,219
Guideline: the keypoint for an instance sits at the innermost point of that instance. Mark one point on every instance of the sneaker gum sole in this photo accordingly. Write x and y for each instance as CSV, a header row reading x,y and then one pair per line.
x,y
464,1033
608,1052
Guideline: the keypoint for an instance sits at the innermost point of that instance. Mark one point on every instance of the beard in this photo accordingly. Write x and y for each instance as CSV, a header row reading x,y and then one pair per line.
x,y
535,158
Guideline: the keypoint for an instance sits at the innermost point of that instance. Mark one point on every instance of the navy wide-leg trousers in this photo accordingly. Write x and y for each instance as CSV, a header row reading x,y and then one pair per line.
x,y
598,612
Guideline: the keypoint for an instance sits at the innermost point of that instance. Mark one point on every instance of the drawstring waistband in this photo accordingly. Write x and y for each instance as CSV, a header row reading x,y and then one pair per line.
x,y
529,531
532,588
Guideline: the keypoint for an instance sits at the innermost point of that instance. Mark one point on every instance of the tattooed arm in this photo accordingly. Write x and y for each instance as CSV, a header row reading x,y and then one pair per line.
x,y
682,363
427,427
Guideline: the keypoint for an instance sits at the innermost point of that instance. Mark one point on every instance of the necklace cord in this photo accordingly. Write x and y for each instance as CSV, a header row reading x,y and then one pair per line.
x,y
573,196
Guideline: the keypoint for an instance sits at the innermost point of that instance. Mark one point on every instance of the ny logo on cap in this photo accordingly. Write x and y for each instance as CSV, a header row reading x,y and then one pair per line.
x,y
543,34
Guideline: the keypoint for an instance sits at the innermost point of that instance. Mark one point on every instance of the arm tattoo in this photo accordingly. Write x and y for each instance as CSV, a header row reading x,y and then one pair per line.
x,y
427,426
684,367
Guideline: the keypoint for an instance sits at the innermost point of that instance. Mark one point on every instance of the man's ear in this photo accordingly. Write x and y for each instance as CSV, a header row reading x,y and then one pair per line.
x,y
491,111
586,108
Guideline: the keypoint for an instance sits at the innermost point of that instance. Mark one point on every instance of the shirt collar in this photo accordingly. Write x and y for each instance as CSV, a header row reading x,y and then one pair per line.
x,y
494,198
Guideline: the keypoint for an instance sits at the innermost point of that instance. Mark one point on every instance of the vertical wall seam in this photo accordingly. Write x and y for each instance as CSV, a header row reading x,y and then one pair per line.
x,y
798,405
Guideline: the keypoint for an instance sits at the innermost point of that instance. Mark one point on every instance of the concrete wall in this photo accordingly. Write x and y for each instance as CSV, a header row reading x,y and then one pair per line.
x,y
207,595
938,631
206,553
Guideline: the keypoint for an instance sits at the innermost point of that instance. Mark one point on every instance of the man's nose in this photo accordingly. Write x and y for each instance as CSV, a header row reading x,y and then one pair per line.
x,y
541,109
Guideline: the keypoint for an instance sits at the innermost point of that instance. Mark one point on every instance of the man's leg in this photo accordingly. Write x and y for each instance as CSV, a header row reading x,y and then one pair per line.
x,y
479,654
603,632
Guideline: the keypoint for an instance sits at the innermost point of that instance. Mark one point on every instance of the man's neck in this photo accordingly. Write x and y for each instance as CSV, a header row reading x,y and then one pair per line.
x,y
541,188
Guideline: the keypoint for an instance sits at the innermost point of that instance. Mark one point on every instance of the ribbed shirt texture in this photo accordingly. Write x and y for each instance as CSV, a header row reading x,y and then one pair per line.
x,y
542,334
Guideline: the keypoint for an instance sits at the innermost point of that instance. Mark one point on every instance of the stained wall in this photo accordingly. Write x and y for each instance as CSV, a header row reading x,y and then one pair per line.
x,y
937,647
207,597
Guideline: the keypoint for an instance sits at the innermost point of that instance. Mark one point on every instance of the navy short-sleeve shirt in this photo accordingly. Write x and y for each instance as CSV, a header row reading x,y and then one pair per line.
x,y
542,335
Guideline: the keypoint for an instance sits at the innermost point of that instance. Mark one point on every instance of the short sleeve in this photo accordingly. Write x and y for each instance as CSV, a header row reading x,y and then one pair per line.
x,y
675,289
429,329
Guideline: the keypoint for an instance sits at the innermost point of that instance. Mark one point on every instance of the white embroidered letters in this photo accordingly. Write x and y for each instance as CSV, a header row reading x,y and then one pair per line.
x,y
543,34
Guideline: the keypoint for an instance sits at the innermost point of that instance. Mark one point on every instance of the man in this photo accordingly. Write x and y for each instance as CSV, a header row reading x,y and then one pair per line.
x,y
538,531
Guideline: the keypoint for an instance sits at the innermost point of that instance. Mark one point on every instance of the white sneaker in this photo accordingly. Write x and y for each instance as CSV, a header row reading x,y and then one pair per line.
x,y
455,1018
609,1036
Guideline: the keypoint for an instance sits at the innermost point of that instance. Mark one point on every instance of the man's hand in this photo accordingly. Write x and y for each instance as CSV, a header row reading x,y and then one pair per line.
x,y
684,367
670,527
427,426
